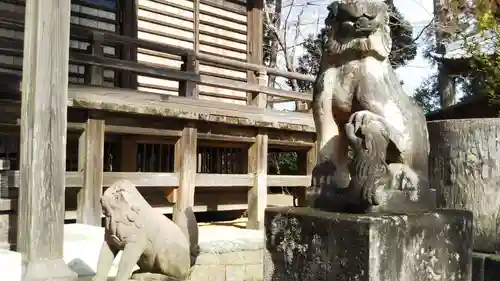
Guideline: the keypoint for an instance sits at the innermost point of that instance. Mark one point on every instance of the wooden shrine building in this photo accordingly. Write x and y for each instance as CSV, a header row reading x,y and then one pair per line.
x,y
170,94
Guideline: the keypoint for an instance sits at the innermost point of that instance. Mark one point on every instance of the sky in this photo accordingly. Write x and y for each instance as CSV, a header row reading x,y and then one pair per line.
x,y
417,12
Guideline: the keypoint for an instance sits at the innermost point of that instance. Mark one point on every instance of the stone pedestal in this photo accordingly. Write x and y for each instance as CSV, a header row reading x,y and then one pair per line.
x,y
43,270
485,267
304,244
463,167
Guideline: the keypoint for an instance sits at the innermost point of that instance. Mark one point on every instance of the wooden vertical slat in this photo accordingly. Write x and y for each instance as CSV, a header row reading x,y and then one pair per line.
x,y
128,27
95,74
128,155
41,205
257,194
255,51
306,161
189,88
185,166
91,164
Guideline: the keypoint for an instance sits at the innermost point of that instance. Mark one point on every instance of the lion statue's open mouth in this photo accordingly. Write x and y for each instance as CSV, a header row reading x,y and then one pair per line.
x,y
361,26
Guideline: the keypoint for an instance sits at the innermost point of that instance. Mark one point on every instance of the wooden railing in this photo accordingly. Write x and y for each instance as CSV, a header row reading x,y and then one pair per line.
x,y
97,59
91,179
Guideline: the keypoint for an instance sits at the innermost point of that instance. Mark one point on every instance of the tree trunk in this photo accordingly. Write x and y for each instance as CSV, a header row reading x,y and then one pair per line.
x,y
464,168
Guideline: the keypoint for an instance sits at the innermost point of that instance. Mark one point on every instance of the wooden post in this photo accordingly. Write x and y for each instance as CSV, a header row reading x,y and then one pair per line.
x,y
90,163
189,88
40,233
94,74
257,154
128,27
185,166
255,53
257,165
306,162
257,194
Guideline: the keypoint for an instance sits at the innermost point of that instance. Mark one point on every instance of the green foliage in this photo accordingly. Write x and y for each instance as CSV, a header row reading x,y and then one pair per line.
x,y
404,48
282,163
485,63
481,54
427,95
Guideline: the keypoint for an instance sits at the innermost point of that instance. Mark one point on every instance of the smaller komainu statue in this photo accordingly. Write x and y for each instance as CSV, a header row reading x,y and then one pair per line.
x,y
360,106
162,250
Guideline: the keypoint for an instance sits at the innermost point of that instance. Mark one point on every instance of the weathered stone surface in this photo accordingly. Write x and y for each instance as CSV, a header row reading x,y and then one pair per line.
x,y
207,273
305,244
478,267
464,163
231,258
235,272
255,271
485,267
143,235
41,270
492,268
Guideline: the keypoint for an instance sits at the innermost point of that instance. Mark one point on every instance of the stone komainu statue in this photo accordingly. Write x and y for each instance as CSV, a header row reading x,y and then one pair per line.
x,y
357,99
162,249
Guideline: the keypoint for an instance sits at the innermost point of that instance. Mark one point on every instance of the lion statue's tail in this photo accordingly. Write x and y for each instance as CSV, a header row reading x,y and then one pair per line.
x,y
186,221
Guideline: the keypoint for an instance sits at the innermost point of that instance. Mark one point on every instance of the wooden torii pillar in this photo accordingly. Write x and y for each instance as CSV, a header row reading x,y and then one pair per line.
x,y
43,140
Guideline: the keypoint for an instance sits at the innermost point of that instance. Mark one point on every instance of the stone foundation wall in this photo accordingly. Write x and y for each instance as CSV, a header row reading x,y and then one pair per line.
x,y
229,254
244,265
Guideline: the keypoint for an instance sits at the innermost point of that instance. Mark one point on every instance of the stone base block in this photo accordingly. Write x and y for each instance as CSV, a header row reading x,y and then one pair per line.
x,y
485,267
42,270
304,244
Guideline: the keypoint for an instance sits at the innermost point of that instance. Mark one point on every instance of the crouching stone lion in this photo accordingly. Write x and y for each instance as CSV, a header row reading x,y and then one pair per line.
x,y
162,250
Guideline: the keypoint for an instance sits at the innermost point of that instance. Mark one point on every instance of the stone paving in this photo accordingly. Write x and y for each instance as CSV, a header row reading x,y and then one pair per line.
x,y
228,252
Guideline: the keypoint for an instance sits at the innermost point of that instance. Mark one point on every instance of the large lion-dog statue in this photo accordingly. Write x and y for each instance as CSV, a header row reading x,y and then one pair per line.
x,y
360,105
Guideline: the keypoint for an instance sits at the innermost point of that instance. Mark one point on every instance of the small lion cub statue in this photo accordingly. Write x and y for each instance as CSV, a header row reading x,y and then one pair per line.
x,y
162,249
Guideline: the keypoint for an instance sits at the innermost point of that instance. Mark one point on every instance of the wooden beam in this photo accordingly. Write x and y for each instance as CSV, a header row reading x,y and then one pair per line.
x,y
127,101
224,180
185,166
142,179
11,179
288,180
43,140
90,164
257,194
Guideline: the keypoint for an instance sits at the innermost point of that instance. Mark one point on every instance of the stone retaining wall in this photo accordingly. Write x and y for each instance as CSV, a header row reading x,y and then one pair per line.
x,y
229,254
243,265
